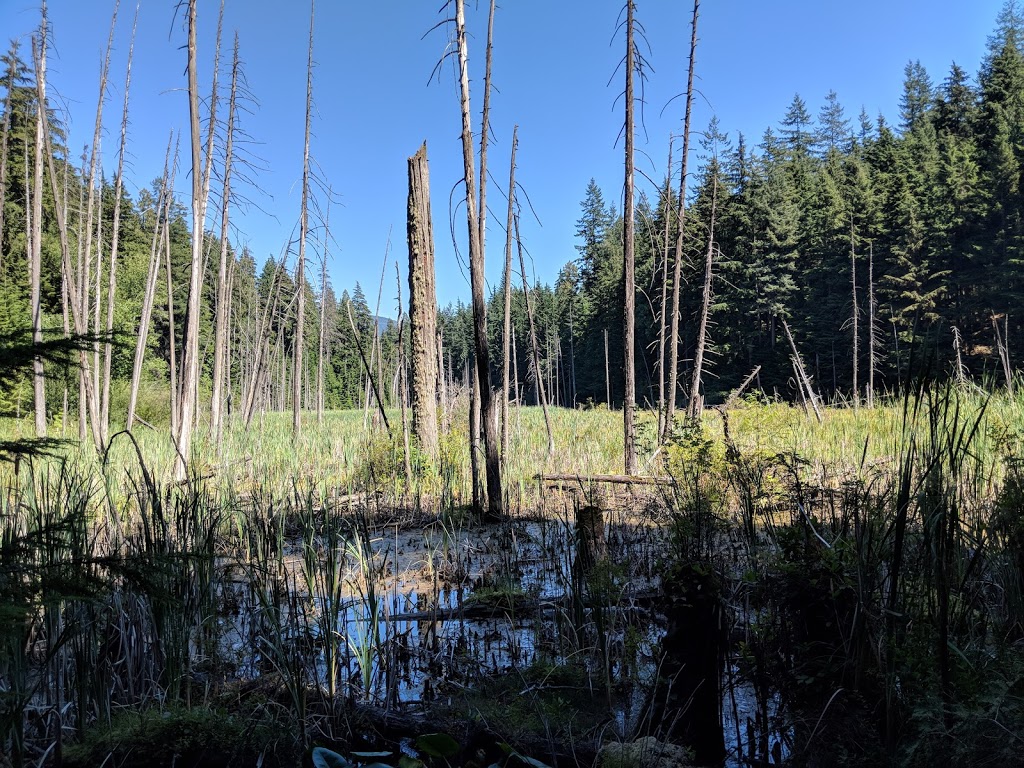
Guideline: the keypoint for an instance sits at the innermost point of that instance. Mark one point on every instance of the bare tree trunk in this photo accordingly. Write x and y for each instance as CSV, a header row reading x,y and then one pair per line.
x,y
161,220
211,124
377,383
371,381
190,358
479,494
607,372
856,312
261,343
664,295
282,386
442,381
507,328
300,267
533,345
89,388
108,349
515,369
35,249
629,251
485,127
871,325
1003,348
495,501
5,130
402,380
572,351
172,336
86,394
60,209
422,306
322,340
98,303
696,404
803,380
78,304
677,267
220,336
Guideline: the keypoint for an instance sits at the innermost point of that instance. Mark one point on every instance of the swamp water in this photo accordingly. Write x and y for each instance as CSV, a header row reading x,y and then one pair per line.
x,y
411,617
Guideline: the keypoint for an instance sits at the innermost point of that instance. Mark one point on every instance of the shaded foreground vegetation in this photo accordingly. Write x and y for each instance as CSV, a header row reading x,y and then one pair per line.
x,y
861,583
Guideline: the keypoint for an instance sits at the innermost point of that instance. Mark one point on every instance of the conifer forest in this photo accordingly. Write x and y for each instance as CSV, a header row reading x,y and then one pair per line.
x,y
743,487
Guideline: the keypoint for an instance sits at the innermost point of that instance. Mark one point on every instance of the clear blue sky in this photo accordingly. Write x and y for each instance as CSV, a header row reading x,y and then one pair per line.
x,y
552,64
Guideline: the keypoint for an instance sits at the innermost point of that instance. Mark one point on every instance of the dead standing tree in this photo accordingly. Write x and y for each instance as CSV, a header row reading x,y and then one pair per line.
x,y
495,500
696,402
220,338
68,274
321,346
190,362
663,315
35,241
535,352
108,349
677,267
161,215
422,306
506,336
88,390
629,250
300,267
10,77
188,394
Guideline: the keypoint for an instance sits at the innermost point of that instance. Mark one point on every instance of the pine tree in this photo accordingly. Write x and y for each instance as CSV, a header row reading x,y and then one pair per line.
x,y
833,127
916,101
797,129
1001,143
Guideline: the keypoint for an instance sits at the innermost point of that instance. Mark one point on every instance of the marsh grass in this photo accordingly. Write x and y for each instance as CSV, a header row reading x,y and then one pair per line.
x,y
870,563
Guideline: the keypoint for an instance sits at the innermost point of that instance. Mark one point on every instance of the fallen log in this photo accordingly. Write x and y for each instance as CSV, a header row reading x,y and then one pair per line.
x,y
613,479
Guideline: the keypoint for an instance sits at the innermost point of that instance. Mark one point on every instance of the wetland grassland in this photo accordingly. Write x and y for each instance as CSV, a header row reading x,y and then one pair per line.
x,y
848,592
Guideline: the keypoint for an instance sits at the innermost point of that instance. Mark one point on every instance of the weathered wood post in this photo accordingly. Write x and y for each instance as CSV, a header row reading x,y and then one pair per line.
x,y
422,307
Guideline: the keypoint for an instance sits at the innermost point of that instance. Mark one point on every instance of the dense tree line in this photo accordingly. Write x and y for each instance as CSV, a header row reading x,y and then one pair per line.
x,y
914,228
870,240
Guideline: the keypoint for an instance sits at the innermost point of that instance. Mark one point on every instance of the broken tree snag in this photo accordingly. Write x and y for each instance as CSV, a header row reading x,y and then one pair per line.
x,y
803,381
422,306
591,542
738,393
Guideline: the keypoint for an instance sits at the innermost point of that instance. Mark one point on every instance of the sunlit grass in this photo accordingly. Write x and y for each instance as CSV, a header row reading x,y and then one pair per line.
x,y
351,452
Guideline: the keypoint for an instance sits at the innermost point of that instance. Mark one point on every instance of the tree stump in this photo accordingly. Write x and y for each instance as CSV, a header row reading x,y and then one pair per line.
x,y
592,546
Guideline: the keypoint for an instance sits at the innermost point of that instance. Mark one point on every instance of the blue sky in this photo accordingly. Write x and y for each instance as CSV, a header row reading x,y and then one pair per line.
x,y
375,102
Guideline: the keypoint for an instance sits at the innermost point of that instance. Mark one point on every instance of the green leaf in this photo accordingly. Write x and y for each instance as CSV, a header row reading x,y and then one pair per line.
x,y
438,745
513,753
328,758
409,762
371,755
